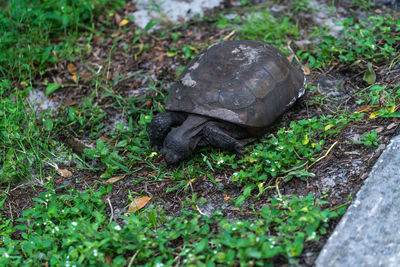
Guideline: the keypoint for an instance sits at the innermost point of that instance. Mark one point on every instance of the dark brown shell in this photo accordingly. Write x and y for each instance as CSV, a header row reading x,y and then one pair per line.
x,y
245,82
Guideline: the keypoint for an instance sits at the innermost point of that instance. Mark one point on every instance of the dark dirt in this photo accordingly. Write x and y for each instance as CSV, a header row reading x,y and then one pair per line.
x,y
341,173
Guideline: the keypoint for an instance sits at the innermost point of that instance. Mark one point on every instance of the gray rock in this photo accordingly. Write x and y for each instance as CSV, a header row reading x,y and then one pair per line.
x,y
369,232
172,10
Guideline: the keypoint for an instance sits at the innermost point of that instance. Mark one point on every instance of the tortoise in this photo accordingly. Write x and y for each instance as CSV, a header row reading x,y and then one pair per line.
x,y
229,94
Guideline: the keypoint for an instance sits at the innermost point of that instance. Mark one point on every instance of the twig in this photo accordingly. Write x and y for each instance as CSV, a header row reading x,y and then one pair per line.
x,y
21,185
190,184
366,88
392,63
198,209
133,258
5,192
294,54
229,35
339,206
111,208
323,73
294,150
351,153
325,106
147,192
296,168
324,156
9,205
277,187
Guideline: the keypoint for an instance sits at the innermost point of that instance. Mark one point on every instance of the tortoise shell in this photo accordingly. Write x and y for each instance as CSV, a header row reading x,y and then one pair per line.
x,y
244,82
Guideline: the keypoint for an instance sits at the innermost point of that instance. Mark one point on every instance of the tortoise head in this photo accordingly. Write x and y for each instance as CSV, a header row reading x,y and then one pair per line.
x,y
175,148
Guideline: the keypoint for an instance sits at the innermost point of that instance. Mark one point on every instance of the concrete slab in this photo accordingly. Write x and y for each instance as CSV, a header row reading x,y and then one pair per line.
x,y
369,233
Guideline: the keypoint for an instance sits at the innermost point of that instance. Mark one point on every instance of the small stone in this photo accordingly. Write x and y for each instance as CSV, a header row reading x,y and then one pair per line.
x,y
379,129
391,126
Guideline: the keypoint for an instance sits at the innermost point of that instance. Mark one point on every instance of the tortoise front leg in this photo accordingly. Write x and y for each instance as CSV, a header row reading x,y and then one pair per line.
x,y
216,137
161,124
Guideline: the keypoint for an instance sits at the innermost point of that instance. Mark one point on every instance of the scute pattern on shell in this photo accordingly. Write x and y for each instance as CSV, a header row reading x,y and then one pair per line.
x,y
245,82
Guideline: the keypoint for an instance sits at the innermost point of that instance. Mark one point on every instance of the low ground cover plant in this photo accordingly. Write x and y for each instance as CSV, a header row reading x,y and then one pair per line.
x,y
75,228
37,33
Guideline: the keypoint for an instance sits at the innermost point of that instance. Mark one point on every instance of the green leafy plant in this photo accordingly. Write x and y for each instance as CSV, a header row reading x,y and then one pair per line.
x,y
382,99
26,139
37,33
73,229
300,5
371,40
265,27
365,4
287,154
369,139
109,157
86,118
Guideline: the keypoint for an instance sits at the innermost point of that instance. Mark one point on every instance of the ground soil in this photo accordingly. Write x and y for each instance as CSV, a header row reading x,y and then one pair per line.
x,y
341,173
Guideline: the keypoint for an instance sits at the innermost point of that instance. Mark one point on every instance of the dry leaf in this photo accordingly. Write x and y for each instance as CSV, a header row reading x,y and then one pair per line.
x,y
115,179
364,108
116,34
138,203
117,18
226,197
123,22
130,8
306,70
57,80
290,57
108,259
72,69
75,78
65,173
159,58
218,180
97,39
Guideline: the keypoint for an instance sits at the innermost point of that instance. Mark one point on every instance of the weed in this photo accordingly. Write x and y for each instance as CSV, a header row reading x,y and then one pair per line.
x,y
300,5
86,118
369,139
109,158
24,144
383,99
371,40
287,154
35,34
365,4
265,27
73,229
5,224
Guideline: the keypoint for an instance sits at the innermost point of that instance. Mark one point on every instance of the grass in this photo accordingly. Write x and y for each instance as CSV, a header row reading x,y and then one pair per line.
x,y
372,40
24,137
74,228
35,34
